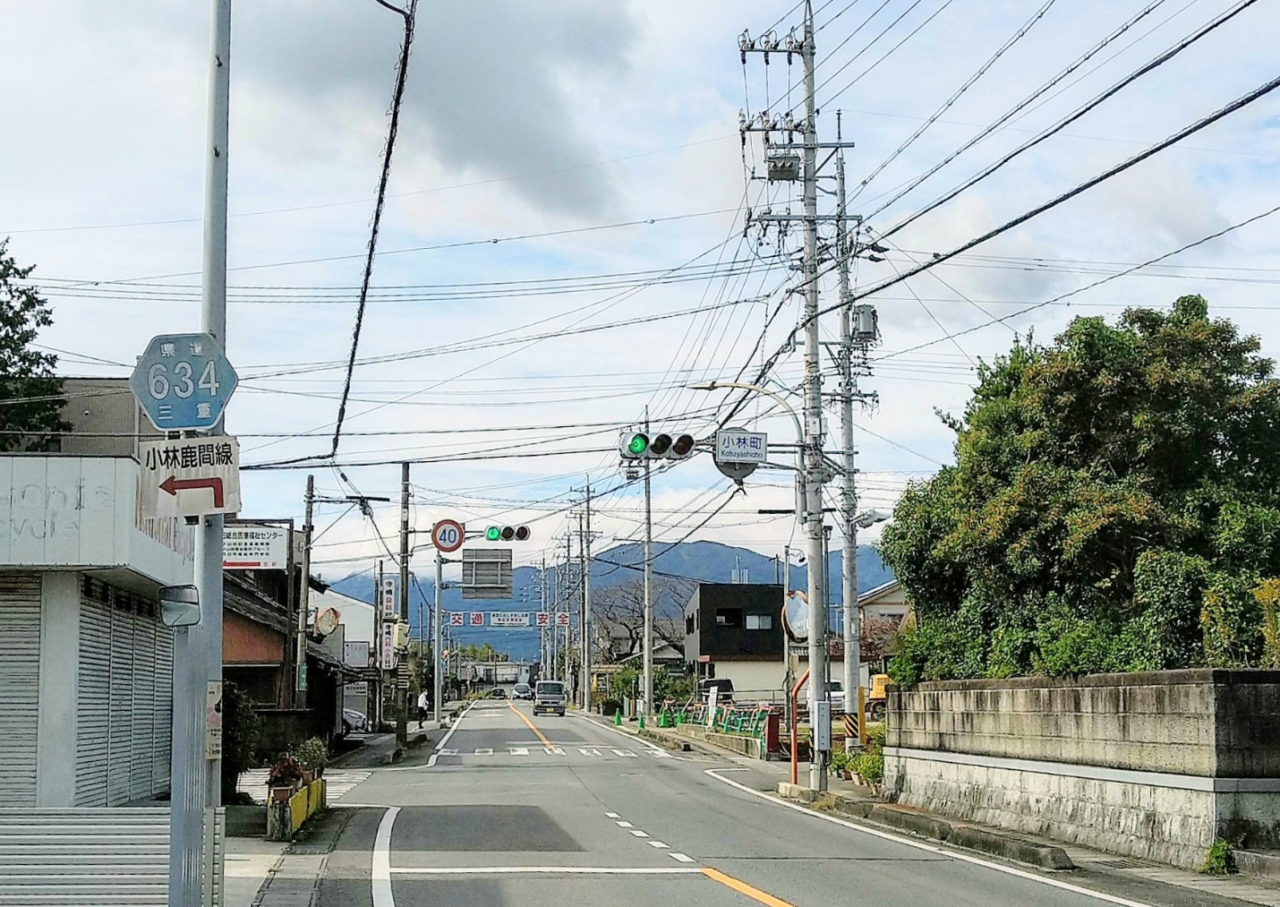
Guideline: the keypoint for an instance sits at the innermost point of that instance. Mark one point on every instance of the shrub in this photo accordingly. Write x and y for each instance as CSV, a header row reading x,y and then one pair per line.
x,y
284,772
869,766
241,727
313,754
1219,861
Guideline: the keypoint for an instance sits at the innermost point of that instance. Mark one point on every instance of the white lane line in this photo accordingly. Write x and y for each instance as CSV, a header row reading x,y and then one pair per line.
x,y
929,848
639,834
683,858
660,845
382,860
612,816
625,825
444,741
547,870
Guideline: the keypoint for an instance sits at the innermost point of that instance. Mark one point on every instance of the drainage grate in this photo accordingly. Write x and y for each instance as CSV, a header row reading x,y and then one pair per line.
x,y
1119,864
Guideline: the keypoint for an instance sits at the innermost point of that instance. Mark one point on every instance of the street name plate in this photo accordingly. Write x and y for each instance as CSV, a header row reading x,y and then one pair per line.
x,y
737,446
189,477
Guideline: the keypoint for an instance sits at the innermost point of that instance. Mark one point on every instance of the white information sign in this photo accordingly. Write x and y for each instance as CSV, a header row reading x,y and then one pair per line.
x,y
508,618
388,662
189,477
388,596
253,546
213,720
737,446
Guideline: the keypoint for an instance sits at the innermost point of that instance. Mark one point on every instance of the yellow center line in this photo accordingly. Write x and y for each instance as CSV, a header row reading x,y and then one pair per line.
x,y
743,888
533,727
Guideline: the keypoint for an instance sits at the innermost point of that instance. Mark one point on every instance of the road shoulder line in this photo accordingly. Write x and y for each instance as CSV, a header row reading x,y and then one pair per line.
x,y
382,896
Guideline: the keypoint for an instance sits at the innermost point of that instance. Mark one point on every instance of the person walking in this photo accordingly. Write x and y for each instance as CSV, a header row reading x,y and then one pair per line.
x,y
424,705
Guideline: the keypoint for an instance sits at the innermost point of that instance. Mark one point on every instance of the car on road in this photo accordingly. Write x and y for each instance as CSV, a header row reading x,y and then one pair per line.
x,y
549,696
522,691
497,693
354,722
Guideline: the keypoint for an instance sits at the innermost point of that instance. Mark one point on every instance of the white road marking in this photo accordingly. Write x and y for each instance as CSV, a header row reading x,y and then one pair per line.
x,y
382,860
659,844
555,750
449,752
625,825
338,782
484,751
612,816
929,848
444,741
519,750
589,752
639,834
626,754
551,870
683,858
657,751
660,754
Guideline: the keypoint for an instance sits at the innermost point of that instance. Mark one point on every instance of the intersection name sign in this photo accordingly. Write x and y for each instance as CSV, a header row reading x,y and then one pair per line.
x,y
189,477
183,382
738,446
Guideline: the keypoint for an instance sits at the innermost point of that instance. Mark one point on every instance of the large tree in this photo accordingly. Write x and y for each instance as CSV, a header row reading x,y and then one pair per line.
x,y
30,393
1115,505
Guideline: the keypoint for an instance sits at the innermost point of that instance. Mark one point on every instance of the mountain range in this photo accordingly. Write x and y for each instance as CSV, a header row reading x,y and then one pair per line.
x,y
709,562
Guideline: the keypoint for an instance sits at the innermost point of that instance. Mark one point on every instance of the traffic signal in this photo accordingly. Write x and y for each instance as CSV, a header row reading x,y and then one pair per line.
x,y
507,533
636,445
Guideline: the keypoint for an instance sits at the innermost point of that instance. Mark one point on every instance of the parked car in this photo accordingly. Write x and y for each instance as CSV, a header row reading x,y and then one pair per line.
x,y
549,696
835,694
522,691
354,722
723,685
497,693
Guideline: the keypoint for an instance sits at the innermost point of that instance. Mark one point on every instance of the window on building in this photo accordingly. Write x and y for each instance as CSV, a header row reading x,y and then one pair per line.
x,y
759,621
688,624
728,617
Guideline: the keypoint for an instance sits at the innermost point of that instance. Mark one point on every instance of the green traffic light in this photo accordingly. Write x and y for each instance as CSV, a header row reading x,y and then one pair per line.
x,y
638,444
493,533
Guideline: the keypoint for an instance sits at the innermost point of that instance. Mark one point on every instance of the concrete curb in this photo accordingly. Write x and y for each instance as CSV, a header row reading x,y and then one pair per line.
x,y
928,825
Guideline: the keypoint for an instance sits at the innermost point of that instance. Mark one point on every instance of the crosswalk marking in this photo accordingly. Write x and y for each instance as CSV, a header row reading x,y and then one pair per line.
x,y
658,844
519,750
660,754
554,750
627,754
337,782
448,752
589,752
682,858
484,751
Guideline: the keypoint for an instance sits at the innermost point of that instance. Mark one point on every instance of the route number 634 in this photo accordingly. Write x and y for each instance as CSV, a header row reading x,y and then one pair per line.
x,y
160,383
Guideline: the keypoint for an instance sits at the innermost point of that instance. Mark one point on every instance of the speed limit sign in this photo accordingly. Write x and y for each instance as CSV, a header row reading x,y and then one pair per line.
x,y
447,535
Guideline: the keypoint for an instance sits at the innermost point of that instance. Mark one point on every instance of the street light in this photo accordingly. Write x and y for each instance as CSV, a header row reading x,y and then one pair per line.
x,y
819,706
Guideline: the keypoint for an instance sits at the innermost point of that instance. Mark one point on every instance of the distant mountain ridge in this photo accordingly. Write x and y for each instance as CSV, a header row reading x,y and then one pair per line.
x,y
708,562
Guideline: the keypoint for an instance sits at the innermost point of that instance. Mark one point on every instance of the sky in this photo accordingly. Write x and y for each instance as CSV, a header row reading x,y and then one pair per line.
x,y
565,242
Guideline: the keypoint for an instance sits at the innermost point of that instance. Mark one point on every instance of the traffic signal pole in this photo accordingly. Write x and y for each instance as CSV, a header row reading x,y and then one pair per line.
x,y
436,643
648,582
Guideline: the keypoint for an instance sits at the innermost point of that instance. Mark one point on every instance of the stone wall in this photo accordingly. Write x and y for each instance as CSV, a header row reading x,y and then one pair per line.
x,y
1155,765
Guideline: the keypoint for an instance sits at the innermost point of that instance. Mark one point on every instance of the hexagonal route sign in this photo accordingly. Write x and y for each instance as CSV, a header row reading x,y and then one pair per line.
x,y
183,382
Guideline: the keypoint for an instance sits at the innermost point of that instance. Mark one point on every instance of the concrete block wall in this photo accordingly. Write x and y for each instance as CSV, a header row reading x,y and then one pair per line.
x,y
1155,765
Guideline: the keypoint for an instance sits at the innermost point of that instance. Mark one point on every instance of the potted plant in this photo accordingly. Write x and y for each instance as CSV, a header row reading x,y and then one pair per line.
x,y
284,778
313,755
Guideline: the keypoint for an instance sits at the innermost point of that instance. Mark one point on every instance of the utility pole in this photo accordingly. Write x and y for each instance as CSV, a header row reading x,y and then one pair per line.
x,y
584,551
402,692
435,626
648,581
196,778
304,597
379,691
544,646
814,467
848,485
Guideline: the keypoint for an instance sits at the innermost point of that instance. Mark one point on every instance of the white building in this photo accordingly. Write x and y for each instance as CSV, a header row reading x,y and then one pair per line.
x,y
85,663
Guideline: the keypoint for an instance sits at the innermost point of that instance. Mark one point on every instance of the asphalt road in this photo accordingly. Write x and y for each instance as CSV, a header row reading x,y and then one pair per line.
x,y
563,811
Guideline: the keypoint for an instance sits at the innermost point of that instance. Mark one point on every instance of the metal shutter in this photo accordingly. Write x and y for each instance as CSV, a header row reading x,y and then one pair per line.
x,y
93,701
19,686
121,709
163,727
144,694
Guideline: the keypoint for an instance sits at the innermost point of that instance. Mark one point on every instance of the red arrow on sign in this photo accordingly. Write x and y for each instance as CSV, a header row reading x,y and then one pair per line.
x,y
173,485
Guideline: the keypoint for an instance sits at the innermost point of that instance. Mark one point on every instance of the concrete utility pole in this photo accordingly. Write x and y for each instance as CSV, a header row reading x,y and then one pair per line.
x,y
402,691
848,486
814,468
585,553
196,779
648,581
435,626
544,644
300,652
378,693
